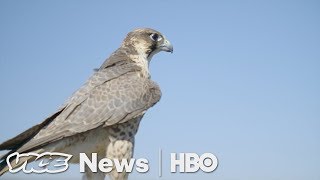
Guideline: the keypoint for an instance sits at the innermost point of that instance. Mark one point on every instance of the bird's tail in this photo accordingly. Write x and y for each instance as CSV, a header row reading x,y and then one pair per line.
x,y
15,143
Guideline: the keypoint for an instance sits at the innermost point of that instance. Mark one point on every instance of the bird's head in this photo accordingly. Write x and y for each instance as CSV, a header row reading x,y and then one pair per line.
x,y
147,41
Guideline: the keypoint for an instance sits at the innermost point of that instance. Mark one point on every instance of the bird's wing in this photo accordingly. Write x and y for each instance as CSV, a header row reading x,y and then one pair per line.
x,y
97,79
112,95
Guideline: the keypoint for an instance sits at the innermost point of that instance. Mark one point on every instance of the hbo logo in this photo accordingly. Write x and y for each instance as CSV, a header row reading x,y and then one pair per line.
x,y
191,162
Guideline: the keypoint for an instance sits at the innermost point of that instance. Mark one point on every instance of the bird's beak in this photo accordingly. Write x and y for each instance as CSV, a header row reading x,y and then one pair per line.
x,y
166,46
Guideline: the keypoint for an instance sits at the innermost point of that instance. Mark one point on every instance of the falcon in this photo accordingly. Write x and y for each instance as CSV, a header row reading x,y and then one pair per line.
x,y
102,116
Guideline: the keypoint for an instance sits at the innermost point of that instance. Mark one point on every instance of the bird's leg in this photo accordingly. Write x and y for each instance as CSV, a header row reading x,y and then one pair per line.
x,y
121,145
119,150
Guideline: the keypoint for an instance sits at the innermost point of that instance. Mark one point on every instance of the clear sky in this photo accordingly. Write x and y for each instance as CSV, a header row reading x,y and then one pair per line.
x,y
243,82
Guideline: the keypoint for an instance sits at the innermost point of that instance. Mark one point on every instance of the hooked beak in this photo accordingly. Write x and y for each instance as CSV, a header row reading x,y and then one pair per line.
x,y
166,46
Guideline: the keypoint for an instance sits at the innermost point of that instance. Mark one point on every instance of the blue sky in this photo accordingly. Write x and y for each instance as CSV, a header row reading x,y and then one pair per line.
x,y
242,83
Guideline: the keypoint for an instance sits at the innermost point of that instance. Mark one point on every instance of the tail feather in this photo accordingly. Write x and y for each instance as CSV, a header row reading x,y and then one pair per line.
x,y
22,138
15,143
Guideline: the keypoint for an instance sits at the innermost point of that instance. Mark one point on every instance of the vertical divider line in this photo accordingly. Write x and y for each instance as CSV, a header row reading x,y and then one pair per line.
x,y
160,162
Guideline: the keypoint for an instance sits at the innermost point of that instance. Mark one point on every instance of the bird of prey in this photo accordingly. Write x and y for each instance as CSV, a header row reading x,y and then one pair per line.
x,y
102,116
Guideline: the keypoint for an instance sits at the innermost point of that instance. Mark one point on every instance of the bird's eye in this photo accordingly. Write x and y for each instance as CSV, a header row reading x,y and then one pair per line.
x,y
155,37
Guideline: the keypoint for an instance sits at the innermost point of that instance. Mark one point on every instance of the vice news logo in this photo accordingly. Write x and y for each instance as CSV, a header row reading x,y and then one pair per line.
x,y
49,162
55,162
